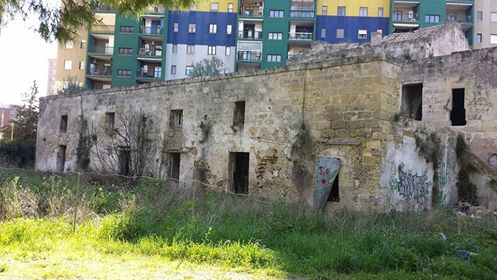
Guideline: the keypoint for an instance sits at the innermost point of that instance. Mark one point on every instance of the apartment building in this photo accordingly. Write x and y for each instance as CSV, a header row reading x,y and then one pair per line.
x,y
409,15
248,34
71,61
245,34
485,34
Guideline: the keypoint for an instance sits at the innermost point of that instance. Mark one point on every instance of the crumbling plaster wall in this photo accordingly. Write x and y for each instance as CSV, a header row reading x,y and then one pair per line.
x,y
336,109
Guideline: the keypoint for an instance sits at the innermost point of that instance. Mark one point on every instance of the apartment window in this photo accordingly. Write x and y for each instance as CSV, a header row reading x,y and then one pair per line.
x,y
188,70
81,65
479,15
192,28
190,49
173,69
123,72
69,44
67,64
176,118
214,6
362,34
110,121
276,13
212,28
239,114
126,29
211,50
340,33
341,11
273,58
275,36
380,12
63,123
230,7
397,15
175,27
493,16
125,51
175,48
363,11
323,32
229,29
82,45
493,39
432,18
227,52
324,10
479,38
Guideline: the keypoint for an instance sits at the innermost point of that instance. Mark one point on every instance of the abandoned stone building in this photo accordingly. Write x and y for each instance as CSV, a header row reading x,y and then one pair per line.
x,y
381,126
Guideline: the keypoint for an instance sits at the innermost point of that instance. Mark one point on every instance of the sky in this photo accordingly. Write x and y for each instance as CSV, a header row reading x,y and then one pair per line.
x,y
23,58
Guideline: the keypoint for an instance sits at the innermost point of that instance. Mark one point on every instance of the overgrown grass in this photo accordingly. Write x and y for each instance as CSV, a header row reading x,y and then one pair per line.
x,y
201,228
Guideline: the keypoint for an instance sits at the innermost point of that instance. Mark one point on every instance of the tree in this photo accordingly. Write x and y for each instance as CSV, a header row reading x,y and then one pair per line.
x,y
208,68
62,23
20,151
71,87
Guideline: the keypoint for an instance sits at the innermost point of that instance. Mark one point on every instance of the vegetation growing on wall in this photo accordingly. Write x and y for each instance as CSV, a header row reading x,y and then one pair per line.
x,y
428,146
466,190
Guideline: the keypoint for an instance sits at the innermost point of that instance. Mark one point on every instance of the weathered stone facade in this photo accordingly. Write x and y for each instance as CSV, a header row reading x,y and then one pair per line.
x,y
296,125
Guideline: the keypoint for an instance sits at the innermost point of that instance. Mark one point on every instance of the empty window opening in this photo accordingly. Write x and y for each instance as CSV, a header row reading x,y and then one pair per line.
x,y
458,113
239,172
176,118
61,158
63,123
110,119
239,114
124,160
335,192
412,101
174,165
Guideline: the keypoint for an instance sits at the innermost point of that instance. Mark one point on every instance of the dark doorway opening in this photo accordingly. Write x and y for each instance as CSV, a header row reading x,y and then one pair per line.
x,y
174,165
61,158
458,113
335,192
412,101
239,172
124,160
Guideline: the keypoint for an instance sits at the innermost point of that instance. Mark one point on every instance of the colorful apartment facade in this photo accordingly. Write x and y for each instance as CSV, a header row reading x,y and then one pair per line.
x,y
485,34
409,15
246,34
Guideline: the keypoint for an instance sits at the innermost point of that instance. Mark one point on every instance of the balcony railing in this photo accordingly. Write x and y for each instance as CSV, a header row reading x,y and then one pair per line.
x,y
462,19
150,52
101,28
101,50
300,36
99,70
250,34
155,30
460,1
146,75
249,56
302,13
405,17
155,10
251,12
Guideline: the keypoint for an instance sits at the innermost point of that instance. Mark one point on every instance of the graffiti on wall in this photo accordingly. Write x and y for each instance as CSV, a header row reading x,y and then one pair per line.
x,y
410,185
326,172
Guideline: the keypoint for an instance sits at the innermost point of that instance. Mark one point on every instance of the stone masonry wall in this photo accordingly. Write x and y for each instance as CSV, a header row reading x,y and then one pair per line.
x,y
292,116
475,73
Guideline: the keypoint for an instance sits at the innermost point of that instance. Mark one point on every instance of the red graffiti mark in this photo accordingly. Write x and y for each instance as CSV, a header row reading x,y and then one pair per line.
x,y
323,181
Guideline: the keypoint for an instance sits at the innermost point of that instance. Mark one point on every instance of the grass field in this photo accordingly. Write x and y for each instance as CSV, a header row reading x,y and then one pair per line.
x,y
51,229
